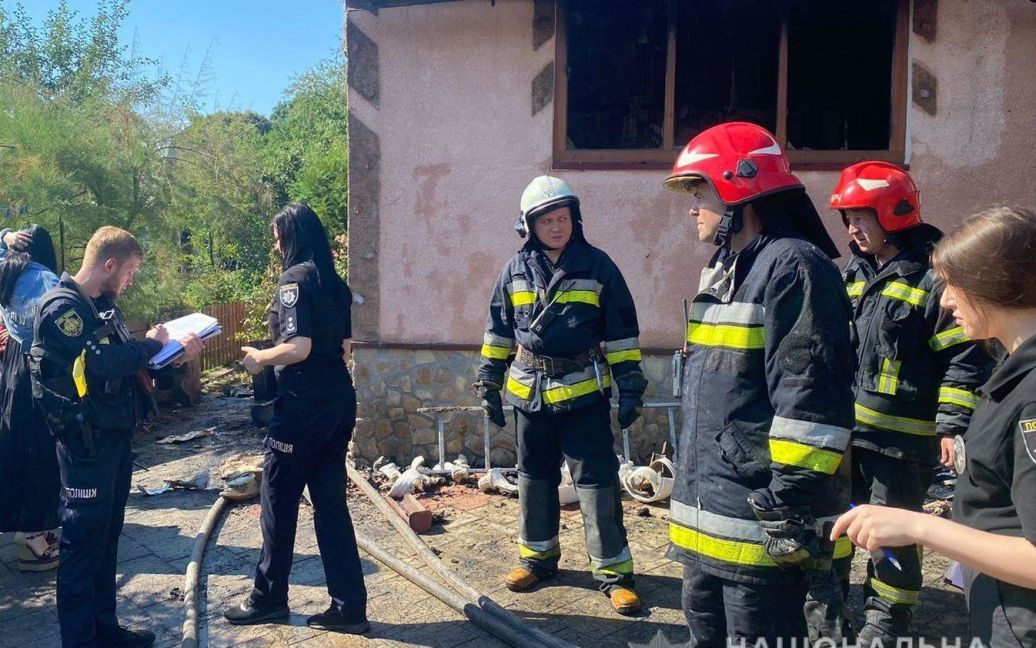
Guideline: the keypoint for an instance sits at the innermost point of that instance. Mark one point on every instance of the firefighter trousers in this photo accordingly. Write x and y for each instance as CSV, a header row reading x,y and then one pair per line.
x,y
720,610
901,483
583,438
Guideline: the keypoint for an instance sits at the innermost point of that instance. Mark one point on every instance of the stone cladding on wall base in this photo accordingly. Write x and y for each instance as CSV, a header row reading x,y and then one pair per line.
x,y
391,384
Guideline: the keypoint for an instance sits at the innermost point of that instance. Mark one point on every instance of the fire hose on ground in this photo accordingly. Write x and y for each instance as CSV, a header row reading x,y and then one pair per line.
x,y
480,609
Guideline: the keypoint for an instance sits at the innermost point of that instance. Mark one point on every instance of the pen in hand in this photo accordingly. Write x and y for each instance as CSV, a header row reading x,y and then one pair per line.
x,y
885,551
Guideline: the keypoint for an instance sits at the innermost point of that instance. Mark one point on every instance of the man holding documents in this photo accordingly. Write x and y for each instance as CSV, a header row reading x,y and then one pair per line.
x,y
85,368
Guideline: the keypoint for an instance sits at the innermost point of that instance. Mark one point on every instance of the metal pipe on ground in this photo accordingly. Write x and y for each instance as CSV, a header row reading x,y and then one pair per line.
x,y
472,611
513,621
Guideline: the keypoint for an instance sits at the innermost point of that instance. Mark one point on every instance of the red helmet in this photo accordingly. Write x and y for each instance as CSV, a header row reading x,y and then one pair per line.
x,y
741,161
883,187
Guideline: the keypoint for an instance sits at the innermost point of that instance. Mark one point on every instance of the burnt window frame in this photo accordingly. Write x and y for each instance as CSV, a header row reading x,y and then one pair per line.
x,y
662,158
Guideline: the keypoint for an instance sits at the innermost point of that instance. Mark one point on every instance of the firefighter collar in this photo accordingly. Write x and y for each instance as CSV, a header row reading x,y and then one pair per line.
x,y
288,294
70,323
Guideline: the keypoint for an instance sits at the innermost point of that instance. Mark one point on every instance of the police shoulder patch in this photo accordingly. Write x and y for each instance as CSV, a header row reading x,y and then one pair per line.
x,y
70,323
288,294
1028,429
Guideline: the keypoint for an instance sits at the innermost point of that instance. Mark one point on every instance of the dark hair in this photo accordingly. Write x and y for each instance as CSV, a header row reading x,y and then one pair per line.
x,y
303,238
40,249
991,257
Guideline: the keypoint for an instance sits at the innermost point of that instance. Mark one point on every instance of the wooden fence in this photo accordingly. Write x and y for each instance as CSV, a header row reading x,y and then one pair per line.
x,y
226,347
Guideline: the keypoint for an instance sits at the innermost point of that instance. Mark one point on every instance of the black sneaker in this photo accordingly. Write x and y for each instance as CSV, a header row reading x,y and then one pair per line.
x,y
249,613
332,619
126,638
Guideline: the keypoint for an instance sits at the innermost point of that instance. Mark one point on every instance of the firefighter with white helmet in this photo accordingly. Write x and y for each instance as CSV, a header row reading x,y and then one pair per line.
x,y
917,375
766,401
561,333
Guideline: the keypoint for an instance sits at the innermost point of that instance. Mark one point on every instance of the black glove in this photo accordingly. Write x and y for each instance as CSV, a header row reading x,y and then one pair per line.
x,y
791,534
494,407
629,408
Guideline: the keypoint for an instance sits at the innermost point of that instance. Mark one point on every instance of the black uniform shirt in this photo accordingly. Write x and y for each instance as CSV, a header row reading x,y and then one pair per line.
x,y
305,308
997,491
66,326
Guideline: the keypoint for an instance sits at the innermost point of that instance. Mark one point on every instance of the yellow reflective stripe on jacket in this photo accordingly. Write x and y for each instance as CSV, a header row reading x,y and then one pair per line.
x,y
568,392
792,453
855,289
874,418
818,435
888,378
843,547
580,296
956,396
624,350
731,551
615,357
726,335
495,352
496,347
523,392
894,594
905,292
716,536
948,338
522,298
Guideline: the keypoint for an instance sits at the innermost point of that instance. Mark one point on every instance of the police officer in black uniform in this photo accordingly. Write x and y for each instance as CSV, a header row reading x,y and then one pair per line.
x,y
989,270
85,371
313,421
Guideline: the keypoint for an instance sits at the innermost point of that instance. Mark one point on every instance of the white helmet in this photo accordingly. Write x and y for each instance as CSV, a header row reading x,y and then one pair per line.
x,y
543,194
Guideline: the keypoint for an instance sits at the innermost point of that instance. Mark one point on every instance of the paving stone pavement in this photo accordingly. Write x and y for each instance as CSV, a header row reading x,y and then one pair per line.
x,y
476,539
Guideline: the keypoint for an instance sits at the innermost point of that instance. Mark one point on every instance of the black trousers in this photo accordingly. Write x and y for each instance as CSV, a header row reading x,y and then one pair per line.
x,y
95,487
1000,614
900,483
305,446
721,612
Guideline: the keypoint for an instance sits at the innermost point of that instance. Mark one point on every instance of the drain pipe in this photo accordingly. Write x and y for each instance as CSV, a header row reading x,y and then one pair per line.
x,y
190,579
515,623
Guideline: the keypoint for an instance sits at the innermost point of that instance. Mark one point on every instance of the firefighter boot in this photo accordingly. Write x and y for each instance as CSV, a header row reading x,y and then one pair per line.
x,y
521,579
884,621
824,608
624,600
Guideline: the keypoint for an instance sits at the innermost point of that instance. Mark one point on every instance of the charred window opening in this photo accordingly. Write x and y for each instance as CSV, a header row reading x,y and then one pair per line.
x,y
616,97
637,80
840,74
727,64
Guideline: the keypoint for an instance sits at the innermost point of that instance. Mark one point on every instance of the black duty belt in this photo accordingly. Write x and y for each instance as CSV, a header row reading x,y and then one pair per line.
x,y
553,367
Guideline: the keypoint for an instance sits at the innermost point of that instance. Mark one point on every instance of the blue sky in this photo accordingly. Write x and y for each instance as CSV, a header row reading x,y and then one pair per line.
x,y
255,47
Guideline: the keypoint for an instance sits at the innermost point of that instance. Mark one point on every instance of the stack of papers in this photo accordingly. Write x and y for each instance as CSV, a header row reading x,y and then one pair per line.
x,y
200,324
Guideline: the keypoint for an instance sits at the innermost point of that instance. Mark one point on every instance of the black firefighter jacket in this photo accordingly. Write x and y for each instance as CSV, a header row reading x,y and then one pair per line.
x,y
917,372
766,402
591,309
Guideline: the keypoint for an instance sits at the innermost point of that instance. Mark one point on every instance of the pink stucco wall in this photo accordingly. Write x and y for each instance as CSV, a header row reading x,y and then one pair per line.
x,y
459,143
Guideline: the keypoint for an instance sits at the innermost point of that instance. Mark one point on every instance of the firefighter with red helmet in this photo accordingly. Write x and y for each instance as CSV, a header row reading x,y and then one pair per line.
x,y
562,332
766,401
917,372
